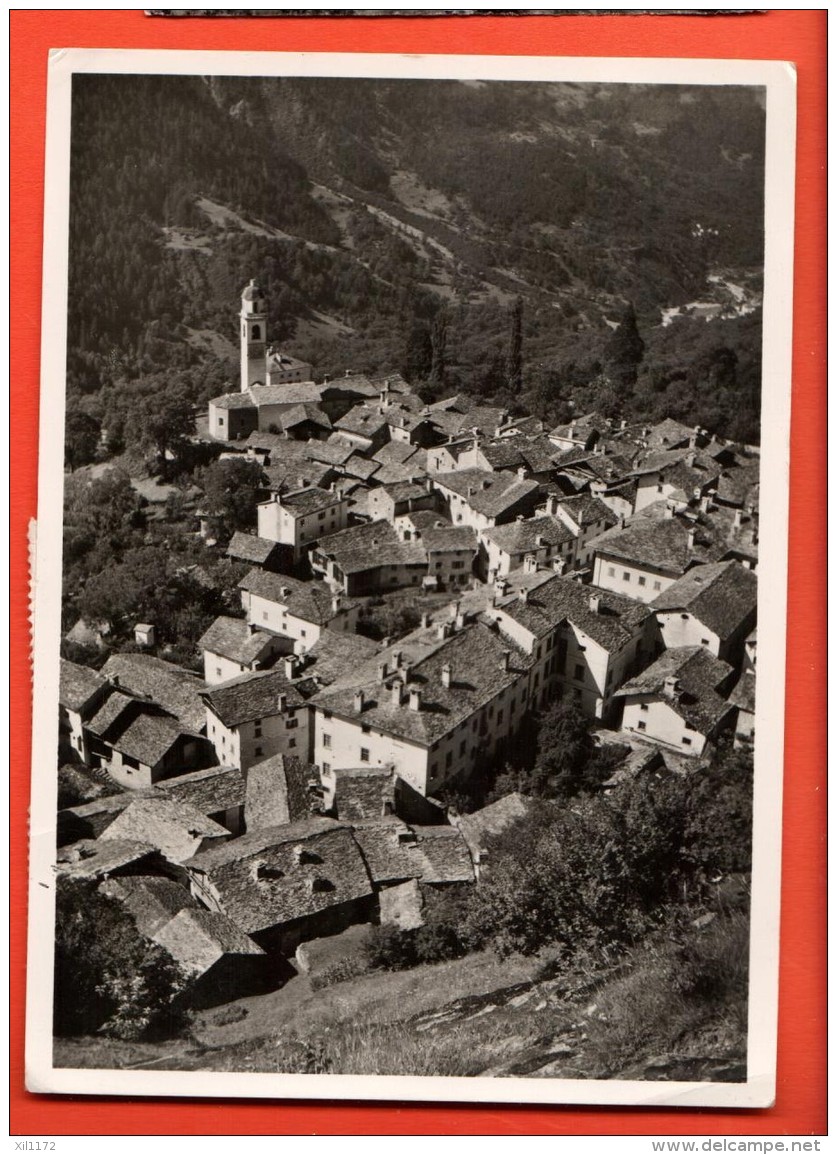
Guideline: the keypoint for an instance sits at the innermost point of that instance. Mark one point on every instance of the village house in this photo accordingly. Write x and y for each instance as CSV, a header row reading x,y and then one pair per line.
x,y
280,789
677,474
365,427
743,698
482,499
174,688
440,703
370,558
232,646
711,605
582,643
327,660
254,550
390,502
581,432
678,701
397,853
586,516
445,458
479,827
176,829
298,518
217,792
451,553
107,858
80,693
294,609
356,793
138,742
255,716
545,540
286,884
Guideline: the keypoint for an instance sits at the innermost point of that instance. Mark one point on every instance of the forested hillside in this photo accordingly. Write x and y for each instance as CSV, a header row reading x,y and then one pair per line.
x,y
405,224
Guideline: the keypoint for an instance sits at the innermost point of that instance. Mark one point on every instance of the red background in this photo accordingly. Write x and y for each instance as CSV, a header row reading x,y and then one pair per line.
x,y
798,36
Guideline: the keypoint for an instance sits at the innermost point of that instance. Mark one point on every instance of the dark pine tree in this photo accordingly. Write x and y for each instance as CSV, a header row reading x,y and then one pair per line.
x,y
438,340
514,359
624,351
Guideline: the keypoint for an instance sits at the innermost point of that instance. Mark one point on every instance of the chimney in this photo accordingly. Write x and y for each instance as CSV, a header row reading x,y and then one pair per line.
x,y
521,473
284,593
552,505
442,631
669,509
559,565
290,667
470,491
595,603
395,693
335,603
501,586
690,459
736,519
455,608
326,378
425,620
281,703
704,504
523,595
540,540
671,686
690,540
359,702
382,671
623,424
397,655
252,627
113,679
505,657
520,518
446,675
415,699
530,563
459,623
304,482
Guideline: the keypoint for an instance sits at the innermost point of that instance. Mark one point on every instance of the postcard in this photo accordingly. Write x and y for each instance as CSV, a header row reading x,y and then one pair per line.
x,y
399,580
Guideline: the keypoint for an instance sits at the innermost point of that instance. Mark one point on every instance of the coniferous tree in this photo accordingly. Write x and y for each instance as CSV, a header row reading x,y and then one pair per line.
x,y
624,351
514,360
438,339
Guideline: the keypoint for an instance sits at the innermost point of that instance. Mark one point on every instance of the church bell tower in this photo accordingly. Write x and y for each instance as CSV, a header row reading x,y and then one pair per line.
x,y
253,337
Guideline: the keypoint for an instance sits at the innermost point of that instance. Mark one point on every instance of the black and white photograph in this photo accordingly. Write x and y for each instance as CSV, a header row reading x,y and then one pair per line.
x,y
405,434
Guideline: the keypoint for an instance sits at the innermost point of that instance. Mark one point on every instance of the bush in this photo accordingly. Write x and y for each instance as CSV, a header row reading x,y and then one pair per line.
x,y
341,971
390,949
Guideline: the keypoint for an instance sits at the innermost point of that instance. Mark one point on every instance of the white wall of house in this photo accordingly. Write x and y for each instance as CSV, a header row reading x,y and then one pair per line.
x,y
629,579
244,745
451,567
274,616
217,668
654,718
278,523
340,743
683,629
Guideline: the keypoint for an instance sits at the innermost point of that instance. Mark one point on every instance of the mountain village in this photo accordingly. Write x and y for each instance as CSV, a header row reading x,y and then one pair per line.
x,y
297,789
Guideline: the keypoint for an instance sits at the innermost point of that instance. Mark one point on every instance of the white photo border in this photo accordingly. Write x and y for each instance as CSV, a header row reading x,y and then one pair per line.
x,y
779,81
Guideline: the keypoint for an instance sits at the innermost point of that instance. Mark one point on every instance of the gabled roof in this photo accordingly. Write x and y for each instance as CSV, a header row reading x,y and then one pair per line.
x,y
98,858
332,654
276,876
287,393
556,599
169,826
331,452
196,939
363,792
529,534
308,499
586,509
277,792
669,433
279,360
311,601
721,595
151,902
360,467
394,851
698,675
493,819
251,696
449,538
365,547
487,493
174,688
477,659
363,420
743,695
398,452
210,791
662,544
232,401
78,685
502,454
234,639
250,547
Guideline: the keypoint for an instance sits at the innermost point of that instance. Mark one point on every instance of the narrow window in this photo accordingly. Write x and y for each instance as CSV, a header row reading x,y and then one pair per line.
x,y
326,741
687,741
364,754
640,725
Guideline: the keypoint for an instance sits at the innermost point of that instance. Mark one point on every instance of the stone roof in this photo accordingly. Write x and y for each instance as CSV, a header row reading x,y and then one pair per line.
x,y
234,639
423,519
287,393
251,696
696,698
332,654
449,538
582,427
739,484
276,876
232,401
391,474
365,547
110,712
398,453
487,493
276,358
556,599
151,902
311,601
669,432
309,499
538,452
492,820
586,509
661,543
98,858
406,491
196,939
502,454
360,467
210,791
88,820
331,452
721,596
529,534
475,655
277,792
251,291
169,826
78,685
176,689
363,420
394,851
744,693
291,473
363,792
250,547
137,728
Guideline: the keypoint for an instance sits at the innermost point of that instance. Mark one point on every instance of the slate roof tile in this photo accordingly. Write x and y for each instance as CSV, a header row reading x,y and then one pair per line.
x,y
78,685
234,639
251,696
696,698
174,688
721,595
